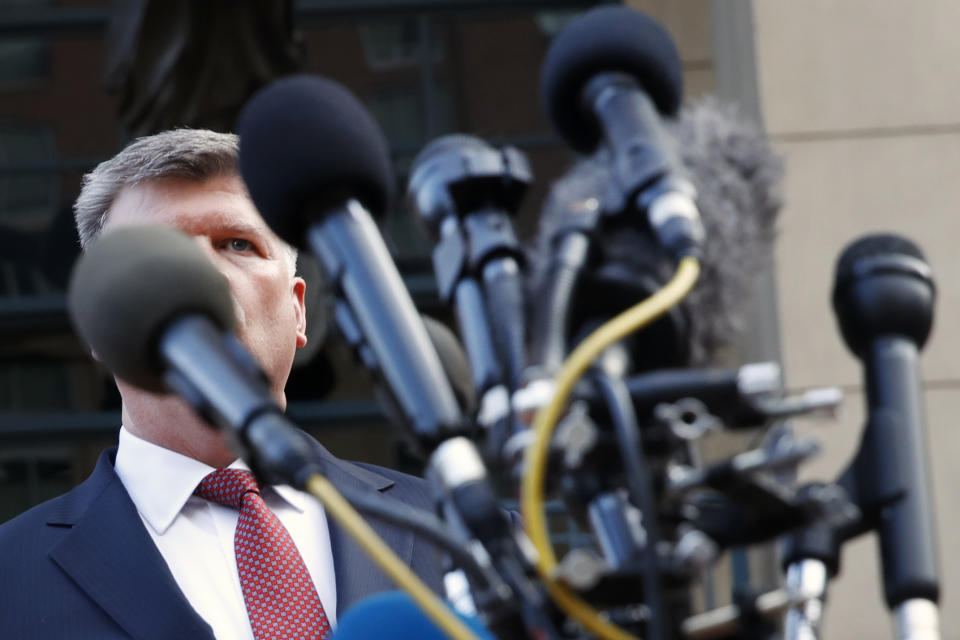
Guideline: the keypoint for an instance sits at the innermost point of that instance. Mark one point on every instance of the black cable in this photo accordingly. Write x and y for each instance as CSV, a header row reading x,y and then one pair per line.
x,y
420,522
639,487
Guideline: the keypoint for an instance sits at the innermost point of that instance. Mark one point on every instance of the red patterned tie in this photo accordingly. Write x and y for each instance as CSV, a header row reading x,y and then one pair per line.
x,y
281,599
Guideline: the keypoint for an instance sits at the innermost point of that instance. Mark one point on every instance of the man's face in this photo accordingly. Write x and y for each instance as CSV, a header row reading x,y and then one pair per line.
x,y
218,212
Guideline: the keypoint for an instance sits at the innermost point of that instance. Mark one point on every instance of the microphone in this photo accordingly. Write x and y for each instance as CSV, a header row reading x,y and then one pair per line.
x,y
393,614
883,297
160,316
455,362
316,163
606,80
465,192
738,178
453,359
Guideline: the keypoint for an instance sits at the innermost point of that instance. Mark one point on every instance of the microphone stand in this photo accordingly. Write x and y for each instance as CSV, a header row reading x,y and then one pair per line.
x,y
884,298
466,191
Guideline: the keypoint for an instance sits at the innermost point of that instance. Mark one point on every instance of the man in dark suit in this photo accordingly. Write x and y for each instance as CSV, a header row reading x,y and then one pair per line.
x,y
141,549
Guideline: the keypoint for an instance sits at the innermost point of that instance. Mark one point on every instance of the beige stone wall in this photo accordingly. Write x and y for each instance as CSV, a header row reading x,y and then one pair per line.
x,y
690,25
862,96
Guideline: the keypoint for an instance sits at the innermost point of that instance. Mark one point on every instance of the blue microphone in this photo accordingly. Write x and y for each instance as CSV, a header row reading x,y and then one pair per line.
x,y
392,614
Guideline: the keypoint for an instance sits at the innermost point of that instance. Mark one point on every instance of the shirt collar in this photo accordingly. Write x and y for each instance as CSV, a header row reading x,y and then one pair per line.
x,y
161,481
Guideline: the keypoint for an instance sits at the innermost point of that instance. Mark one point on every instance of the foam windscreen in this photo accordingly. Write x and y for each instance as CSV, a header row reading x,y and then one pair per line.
x,y
393,614
883,286
306,142
130,284
607,39
869,246
738,176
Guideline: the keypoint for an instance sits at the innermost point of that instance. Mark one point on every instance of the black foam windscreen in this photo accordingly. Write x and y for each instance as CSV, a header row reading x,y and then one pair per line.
x,y
392,614
869,246
306,141
739,178
130,284
883,286
607,39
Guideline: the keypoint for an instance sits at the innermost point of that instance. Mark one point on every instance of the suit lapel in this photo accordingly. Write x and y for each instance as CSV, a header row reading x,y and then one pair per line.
x,y
111,557
356,575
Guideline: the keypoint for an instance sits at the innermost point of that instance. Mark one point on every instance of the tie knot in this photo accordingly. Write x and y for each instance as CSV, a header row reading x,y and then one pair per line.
x,y
227,487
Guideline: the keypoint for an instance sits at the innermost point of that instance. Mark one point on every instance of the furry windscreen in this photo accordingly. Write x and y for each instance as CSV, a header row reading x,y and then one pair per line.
x,y
738,179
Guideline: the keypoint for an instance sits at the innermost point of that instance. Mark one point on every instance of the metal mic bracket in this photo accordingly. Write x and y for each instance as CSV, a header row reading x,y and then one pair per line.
x,y
461,195
466,176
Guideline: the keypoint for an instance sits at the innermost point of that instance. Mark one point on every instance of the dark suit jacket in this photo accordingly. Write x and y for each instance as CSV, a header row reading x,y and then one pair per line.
x,y
83,566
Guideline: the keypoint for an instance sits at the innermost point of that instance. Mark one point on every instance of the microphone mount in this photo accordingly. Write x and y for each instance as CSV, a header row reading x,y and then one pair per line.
x,y
466,193
459,189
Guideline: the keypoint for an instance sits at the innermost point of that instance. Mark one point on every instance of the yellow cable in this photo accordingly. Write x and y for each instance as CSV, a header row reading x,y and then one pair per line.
x,y
394,567
532,507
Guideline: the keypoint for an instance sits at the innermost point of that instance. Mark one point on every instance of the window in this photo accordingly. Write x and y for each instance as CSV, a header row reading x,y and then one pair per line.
x,y
28,195
396,43
24,63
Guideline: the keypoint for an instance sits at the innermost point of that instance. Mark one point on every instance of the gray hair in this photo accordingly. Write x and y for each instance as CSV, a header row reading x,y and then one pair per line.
x,y
193,154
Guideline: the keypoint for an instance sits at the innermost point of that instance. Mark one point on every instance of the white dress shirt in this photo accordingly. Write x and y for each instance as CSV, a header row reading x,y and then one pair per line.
x,y
195,536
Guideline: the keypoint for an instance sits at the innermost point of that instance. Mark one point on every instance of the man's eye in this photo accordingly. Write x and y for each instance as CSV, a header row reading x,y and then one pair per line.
x,y
240,245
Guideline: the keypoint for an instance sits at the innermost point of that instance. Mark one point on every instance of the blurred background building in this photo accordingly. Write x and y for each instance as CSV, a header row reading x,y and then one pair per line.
x,y
860,97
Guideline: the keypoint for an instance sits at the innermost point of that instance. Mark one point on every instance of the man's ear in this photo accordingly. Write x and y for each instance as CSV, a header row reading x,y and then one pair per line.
x,y
300,308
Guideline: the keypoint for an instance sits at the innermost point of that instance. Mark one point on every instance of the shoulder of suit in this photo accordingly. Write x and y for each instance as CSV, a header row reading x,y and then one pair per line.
x,y
415,489
64,509
392,474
